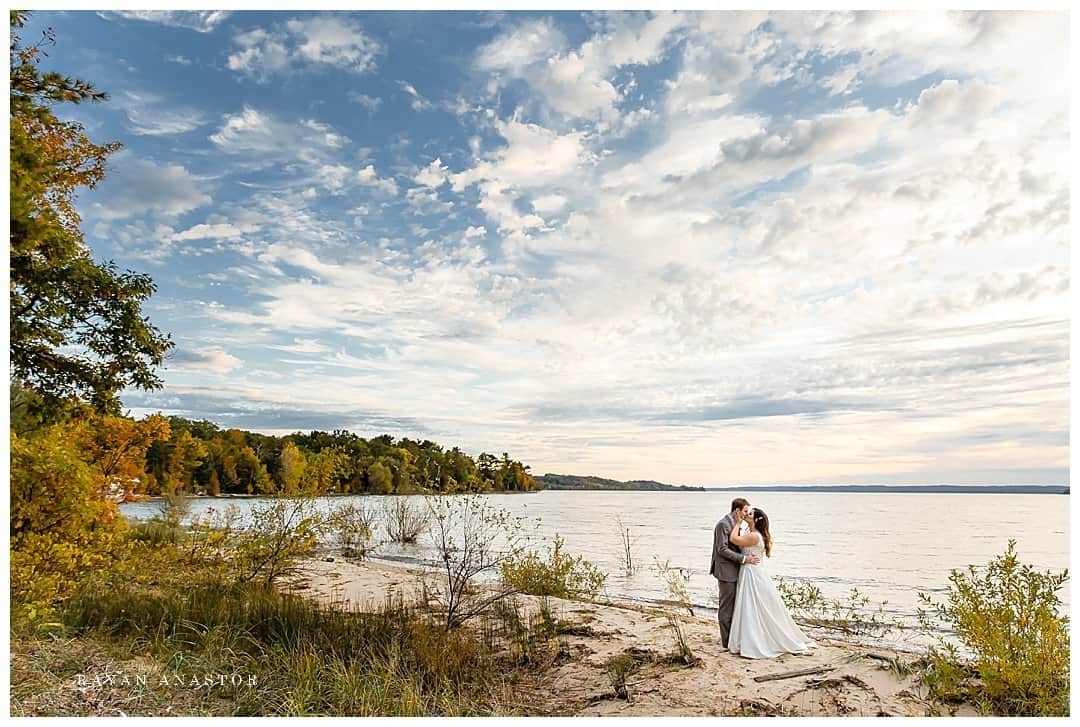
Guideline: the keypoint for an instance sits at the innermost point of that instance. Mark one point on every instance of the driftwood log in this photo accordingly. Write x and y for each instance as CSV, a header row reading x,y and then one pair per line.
x,y
793,674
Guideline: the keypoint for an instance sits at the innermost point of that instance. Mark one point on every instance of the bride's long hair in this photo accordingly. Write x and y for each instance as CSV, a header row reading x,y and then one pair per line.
x,y
761,524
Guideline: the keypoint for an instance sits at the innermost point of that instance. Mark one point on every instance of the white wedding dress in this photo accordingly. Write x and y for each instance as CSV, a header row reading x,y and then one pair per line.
x,y
761,627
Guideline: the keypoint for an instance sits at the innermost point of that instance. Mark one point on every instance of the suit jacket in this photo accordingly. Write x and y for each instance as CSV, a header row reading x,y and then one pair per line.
x,y
726,558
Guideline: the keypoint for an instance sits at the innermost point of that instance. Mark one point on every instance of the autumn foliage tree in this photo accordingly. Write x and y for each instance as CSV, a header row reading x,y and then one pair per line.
x,y
76,325
118,446
77,337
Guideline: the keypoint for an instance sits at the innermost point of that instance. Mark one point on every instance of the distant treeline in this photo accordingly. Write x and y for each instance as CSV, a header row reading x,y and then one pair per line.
x,y
578,482
199,457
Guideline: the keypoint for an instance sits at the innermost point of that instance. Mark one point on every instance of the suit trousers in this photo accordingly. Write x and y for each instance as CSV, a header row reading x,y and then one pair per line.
x,y
726,610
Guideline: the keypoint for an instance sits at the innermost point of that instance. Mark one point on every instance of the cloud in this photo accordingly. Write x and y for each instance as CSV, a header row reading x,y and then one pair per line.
x,y
433,175
265,414
753,407
771,153
203,21
576,83
834,242
213,359
323,40
549,203
220,231
953,103
304,345
533,158
135,186
368,177
371,103
261,135
148,115
418,103
529,43
844,81
425,201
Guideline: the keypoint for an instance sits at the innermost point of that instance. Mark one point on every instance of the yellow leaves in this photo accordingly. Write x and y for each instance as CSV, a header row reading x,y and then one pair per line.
x,y
62,530
293,466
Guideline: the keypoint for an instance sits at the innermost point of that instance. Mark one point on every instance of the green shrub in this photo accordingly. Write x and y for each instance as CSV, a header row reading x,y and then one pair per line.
x,y
559,574
281,533
156,532
1008,616
530,637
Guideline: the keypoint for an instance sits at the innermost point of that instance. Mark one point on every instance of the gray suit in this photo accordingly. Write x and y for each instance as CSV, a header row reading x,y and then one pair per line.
x,y
726,560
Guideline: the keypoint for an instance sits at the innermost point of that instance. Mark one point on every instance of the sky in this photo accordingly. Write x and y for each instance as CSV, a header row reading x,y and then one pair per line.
x,y
704,248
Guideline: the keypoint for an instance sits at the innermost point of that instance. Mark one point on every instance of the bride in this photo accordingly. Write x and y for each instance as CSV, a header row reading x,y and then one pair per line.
x,y
761,626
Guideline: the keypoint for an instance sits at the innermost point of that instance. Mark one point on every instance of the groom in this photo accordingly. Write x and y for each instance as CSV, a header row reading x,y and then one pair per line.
x,y
726,559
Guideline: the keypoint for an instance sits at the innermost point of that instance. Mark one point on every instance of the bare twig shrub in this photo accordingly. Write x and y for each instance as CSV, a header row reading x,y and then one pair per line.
x,y
471,537
353,527
627,541
406,519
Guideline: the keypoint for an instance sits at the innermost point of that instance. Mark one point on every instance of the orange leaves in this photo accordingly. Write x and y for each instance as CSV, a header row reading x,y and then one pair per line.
x,y
117,446
68,160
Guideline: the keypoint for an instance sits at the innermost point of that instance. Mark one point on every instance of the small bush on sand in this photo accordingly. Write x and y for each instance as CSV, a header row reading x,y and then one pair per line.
x,y
676,582
619,668
559,574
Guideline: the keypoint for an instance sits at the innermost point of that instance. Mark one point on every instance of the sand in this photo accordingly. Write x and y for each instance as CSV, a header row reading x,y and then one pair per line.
x,y
720,683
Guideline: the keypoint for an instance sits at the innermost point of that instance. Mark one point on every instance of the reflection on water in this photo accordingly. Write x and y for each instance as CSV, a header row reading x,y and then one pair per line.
x,y
889,546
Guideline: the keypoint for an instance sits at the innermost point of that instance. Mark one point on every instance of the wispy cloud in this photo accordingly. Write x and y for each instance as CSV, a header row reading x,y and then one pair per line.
x,y
203,21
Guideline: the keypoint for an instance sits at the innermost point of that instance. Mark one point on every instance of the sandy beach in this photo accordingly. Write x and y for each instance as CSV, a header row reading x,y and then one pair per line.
x,y
720,683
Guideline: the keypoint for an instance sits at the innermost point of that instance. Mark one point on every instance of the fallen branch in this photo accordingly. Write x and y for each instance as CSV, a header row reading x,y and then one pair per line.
x,y
792,674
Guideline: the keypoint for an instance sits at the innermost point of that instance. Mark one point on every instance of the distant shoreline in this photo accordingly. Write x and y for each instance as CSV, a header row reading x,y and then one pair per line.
x,y
899,489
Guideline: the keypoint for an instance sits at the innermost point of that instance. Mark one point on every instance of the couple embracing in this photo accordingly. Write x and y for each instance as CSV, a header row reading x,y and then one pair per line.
x,y
753,619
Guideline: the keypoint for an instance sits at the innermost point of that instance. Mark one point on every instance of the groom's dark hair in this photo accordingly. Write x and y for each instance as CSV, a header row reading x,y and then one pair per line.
x,y
738,504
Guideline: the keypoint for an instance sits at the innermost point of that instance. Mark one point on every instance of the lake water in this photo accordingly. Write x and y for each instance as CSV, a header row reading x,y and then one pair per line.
x,y
890,546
